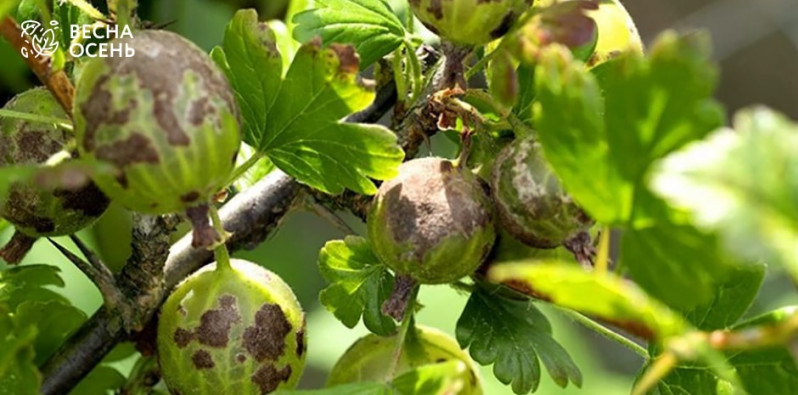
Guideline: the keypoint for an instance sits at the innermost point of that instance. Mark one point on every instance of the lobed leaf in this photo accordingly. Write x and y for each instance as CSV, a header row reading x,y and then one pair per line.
x,y
676,263
743,185
18,373
359,284
295,119
514,336
616,123
370,25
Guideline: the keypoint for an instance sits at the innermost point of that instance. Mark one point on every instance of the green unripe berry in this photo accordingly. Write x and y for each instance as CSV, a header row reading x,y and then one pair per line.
x,y
166,118
239,330
35,211
433,222
372,358
530,201
469,22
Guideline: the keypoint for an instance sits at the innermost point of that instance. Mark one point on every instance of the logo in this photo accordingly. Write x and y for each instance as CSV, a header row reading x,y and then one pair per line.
x,y
42,41
92,40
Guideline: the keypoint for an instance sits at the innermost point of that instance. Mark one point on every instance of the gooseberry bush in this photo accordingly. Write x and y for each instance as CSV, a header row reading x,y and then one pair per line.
x,y
592,178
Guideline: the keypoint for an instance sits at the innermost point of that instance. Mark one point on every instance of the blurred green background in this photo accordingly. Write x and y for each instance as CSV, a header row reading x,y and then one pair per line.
x,y
756,46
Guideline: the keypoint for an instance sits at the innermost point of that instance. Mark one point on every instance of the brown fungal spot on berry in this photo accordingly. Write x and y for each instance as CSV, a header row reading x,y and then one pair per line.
x,y
137,148
436,8
202,359
241,358
182,337
505,25
300,343
266,339
24,213
88,200
190,197
267,378
99,111
199,108
34,148
215,324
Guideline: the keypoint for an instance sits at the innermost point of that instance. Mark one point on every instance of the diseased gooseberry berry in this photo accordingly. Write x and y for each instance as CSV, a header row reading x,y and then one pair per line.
x,y
35,211
469,22
433,222
530,201
167,119
239,329
373,358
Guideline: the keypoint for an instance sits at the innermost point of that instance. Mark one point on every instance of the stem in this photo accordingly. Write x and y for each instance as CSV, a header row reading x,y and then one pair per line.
x,y
482,62
97,272
220,252
603,255
399,77
57,82
328,215
89,9
657,371
415,69
604,331
62,123
407,324
401,297
143,377
241,169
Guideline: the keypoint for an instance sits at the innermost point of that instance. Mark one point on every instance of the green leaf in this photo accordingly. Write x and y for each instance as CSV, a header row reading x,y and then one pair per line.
x,y
678,264
636,111
436,379
771,370
286,44
255,172
101,380
366,388
359,284
693,381
68,14
20,284
296,120
763,371
607,296
6,6
743,185
370,25
731,298
526,94
252,62
56,322
18,373
513,335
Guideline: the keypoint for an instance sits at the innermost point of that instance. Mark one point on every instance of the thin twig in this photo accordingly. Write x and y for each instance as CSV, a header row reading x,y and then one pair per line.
x,y
604,331
56,81
96,271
